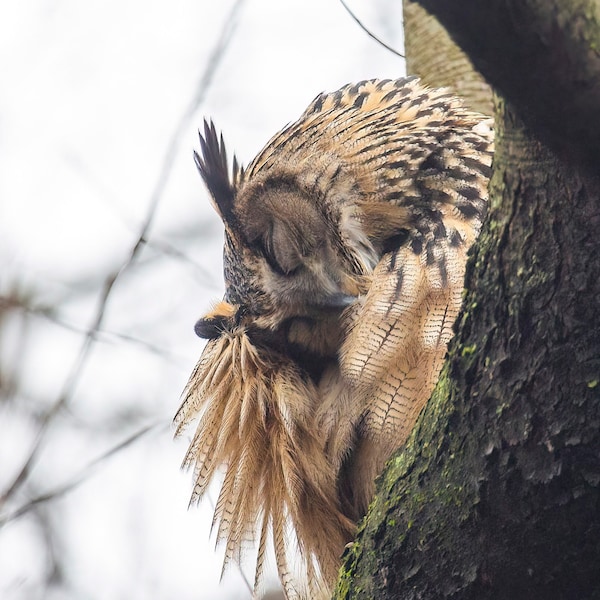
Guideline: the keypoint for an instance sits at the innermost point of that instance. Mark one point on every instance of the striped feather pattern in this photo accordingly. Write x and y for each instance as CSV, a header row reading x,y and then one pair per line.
x,y
257,419
346,240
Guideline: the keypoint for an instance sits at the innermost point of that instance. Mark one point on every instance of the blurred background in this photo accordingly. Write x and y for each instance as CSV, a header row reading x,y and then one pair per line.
x,y
109,252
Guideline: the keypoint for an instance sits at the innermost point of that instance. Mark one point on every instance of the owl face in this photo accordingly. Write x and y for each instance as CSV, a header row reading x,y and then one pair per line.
x,y
289,270
296,247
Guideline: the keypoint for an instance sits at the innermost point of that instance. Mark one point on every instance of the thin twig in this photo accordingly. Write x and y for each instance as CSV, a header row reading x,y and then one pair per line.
x,y
108,286
82,476
184,122
369,32
164,247
168,249
102,335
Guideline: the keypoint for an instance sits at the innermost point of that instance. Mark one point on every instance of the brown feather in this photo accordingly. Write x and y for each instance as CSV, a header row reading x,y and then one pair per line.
x,y
346,241
270,452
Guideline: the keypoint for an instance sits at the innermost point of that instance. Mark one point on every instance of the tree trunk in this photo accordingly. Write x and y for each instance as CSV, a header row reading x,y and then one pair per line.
x,y
497,492
543,56
439,62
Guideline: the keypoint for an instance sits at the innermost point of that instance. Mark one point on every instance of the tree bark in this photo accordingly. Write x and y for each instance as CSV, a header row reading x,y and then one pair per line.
x,y
439,62
497,493
543,56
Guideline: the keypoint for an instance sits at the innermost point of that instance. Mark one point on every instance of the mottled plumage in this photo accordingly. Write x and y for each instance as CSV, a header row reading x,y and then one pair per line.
x,y
344,258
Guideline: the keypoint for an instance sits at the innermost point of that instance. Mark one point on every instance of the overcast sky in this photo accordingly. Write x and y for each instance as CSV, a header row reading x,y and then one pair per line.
x,y
99,106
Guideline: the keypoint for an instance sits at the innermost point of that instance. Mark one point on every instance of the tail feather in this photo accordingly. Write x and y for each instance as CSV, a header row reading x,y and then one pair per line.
x,y
281,556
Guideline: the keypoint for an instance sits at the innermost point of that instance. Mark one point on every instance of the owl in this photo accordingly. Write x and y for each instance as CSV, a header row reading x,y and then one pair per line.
x,y
344,257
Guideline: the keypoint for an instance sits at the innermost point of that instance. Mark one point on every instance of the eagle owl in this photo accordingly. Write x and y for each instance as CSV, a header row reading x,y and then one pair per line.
x,y
344,259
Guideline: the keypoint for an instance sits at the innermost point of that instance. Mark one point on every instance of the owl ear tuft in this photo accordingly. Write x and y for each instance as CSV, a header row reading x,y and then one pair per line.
x,y
213,167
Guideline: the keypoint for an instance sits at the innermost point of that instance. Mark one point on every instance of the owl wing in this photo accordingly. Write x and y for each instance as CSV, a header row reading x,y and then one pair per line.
x,y
395,176
397,338
397,334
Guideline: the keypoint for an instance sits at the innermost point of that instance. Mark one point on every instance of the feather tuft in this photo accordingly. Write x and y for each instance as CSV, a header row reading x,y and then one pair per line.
x,y
259,427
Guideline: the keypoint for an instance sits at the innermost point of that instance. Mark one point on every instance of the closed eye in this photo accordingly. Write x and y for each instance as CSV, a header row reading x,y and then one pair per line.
x,y
284,261
275,266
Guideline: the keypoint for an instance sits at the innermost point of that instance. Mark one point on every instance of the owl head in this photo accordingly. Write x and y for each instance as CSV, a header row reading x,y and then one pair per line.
x,y
286,252
363,171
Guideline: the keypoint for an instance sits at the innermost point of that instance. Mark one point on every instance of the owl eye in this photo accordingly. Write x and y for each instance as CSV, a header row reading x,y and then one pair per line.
x,y
275,266
280,252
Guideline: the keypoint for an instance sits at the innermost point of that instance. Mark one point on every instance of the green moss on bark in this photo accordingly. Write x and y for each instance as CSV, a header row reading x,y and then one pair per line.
x,y
495,494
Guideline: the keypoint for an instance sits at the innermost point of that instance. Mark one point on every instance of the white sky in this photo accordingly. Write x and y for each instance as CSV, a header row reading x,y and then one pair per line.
x,y
91,93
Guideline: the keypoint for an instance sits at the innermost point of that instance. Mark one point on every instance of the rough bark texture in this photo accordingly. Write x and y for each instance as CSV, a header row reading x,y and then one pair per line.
x,y
543,56
439,62
497,493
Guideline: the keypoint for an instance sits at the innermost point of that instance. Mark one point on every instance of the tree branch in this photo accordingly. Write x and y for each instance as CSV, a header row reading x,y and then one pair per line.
x,y
543,56
434,56
111,280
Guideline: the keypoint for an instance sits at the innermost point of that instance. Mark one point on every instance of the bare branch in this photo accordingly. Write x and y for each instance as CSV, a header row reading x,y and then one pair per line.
x,y
109,284
83,475
102,335
542,56
369,32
